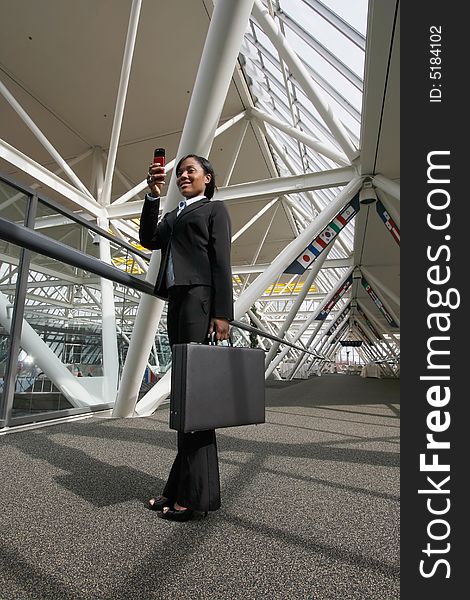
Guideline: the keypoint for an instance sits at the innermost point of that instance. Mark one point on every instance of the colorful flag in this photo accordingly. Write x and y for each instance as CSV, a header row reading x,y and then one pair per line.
x,y
343,328
366,320
326,310
338,321
361,329
378,302
389,222
304,260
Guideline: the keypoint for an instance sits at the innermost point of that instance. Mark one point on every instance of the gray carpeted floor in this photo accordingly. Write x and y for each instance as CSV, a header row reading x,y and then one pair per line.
x,y
310,504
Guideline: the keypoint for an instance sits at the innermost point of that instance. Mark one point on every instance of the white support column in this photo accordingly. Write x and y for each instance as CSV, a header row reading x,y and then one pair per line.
x,y
378,326
320,344
295,184
224,38
97,175
170,164
238,146
121,99
108,310
290,316
42,139
108,325
257,190
35,186
293,250
387,185
259,214
301,136
267,23
82,200
291,168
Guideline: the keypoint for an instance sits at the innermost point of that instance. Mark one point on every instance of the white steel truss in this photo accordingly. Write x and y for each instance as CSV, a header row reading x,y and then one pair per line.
x,y
302,103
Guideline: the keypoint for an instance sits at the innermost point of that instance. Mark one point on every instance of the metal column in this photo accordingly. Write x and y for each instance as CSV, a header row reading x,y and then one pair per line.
x,y
219,57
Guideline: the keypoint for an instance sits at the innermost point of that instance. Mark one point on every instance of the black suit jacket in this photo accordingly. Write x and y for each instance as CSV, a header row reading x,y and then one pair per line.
x,y
200,242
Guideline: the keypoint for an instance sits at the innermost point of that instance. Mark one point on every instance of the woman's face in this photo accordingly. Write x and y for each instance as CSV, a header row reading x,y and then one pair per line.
x,y
191,178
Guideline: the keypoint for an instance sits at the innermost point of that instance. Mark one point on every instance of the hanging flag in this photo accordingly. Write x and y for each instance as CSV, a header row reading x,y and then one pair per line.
x,y
389,222
326,310
361,329
338,321
343,328
306,258
366,320
378,302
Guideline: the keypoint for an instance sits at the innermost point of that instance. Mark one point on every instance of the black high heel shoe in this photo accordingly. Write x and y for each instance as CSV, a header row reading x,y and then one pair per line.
x,y
159,503
182,515
178,515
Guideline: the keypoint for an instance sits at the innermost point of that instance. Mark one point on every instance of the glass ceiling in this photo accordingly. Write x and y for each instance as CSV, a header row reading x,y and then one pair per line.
x,y
329,38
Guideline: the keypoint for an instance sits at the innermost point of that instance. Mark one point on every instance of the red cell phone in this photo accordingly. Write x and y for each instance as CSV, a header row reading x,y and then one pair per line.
x,y
159,156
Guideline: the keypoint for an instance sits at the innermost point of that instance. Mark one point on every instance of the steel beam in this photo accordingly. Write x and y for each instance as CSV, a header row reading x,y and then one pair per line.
x,y
81,200
105,197
219,58
294,63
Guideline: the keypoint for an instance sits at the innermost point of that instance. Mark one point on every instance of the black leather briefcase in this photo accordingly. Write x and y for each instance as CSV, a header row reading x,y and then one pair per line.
x,y
216,386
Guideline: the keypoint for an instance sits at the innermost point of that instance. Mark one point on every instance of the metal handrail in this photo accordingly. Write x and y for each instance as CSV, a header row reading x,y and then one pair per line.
x,y
265,334
42,244
73,216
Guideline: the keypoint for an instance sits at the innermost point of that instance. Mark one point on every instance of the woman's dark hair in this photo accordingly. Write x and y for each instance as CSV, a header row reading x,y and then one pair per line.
x,y
208,170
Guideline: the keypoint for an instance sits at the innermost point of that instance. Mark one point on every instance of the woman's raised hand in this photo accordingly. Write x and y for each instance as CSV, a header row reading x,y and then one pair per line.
x,y
156,179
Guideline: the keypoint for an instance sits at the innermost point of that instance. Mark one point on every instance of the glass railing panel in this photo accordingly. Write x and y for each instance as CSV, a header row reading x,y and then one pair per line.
x,y
78,236
59,366
53,224
35,392
13,207
62,330
61,340
159,361
13,203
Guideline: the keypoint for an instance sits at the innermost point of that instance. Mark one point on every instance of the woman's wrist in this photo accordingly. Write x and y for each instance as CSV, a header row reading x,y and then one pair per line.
x,y
152,196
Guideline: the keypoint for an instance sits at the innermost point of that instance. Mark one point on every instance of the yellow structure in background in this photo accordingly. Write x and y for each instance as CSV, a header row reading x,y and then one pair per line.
x,y
128,264
281,288
288,288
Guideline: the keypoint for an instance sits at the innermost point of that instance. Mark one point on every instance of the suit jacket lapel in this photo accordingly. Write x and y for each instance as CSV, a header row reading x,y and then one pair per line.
x,y
189,209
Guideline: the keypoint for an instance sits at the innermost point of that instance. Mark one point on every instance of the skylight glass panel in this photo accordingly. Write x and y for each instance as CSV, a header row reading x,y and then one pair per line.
x,y
354,13
326,34
346,119
263,39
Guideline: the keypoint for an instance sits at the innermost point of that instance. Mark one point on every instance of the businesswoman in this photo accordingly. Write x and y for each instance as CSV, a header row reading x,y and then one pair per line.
x,y
195,277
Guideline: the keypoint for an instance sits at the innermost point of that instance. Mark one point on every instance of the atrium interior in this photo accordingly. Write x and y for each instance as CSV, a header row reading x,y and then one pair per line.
x,y
295,102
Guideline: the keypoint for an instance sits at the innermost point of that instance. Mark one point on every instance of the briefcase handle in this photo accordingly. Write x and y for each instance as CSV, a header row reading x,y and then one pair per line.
x,y
213,341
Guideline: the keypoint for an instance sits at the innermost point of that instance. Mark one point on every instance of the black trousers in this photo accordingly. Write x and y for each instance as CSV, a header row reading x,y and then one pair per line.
x,y
194,477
